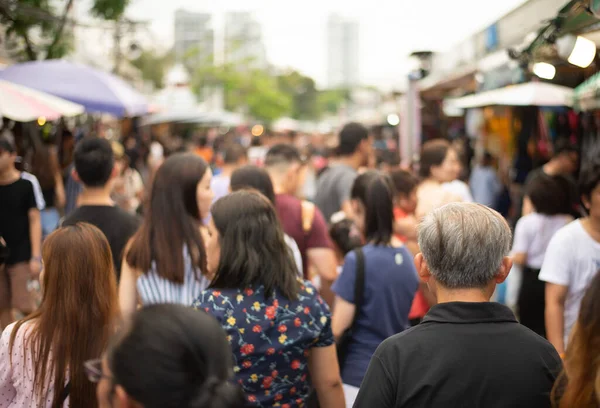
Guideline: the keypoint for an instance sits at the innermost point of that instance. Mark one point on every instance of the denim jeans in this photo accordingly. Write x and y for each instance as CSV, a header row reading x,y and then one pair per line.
x,y
50,219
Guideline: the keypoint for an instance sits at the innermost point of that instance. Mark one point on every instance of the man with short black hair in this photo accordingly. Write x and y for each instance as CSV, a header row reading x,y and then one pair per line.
x,y
468,352
335,183
301,219
96,169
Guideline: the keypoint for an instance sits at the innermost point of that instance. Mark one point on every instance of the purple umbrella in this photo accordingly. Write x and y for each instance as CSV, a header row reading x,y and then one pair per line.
x,y
97,91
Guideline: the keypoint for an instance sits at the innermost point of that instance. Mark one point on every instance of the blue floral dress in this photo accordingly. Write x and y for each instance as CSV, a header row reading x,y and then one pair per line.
x,y
270,339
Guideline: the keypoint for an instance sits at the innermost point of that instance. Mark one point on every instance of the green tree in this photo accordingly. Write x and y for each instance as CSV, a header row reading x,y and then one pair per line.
x,y
303,92
330,100
37,27
153,67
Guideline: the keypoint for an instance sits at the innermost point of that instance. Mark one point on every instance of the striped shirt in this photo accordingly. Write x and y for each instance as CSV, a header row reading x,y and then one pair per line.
x,y
37,190
154,289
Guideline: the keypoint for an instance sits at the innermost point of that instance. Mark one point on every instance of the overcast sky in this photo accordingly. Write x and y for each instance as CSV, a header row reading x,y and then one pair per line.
x,y
295,32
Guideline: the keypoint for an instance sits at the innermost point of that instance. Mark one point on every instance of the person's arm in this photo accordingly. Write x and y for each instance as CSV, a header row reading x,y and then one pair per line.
x,y
325,375
555,315
524,234
407,227
324,263
556,272
378,387
59,187
127,289
7,388
344,189
35,236
343,314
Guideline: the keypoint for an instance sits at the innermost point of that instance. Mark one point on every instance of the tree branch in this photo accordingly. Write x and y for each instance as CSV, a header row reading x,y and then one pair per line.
x,y
59,30
29,48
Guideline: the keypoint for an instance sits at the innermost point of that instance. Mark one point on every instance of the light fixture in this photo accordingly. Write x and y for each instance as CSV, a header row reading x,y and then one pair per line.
x,y
41,121
393,119
577,50
257,130
544,70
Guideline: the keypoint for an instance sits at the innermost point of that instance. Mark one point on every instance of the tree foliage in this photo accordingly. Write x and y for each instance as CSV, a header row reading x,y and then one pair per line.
x,y
153,67
37,29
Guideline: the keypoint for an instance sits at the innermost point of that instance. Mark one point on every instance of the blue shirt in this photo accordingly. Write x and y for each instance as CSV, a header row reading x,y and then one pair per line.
x,y
390,286
485,186
270,338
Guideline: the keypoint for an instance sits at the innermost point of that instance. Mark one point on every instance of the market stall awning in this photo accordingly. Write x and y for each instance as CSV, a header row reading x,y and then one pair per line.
x,y
528,94
24,104
96,90
587,95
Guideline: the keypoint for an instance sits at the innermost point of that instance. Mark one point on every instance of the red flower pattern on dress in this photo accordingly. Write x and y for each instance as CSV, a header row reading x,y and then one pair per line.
x,y
247,349
270,312
279,331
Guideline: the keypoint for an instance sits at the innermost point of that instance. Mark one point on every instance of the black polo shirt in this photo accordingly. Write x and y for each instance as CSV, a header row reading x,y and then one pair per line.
x,y
467,355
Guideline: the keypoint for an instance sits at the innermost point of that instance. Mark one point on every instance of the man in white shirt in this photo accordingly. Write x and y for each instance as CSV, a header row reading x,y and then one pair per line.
x,y
572,260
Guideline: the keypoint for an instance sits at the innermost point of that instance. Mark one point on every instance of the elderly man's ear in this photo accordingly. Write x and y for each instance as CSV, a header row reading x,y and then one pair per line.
x,y
504,270
422,268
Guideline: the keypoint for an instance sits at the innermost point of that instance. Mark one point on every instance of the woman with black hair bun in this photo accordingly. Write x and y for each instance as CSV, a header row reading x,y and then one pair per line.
x,y
170,356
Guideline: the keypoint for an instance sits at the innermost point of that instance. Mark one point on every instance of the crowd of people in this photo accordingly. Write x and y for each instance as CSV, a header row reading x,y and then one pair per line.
x,y
210,279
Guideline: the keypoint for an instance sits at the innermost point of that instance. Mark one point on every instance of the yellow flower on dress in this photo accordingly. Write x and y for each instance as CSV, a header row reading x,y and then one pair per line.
x,y
242,331
323,319
231,321
309,291
282,338
254,378
239,298
256,306
236,369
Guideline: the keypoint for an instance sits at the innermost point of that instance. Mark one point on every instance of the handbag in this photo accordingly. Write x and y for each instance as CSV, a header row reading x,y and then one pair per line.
x,y
359,289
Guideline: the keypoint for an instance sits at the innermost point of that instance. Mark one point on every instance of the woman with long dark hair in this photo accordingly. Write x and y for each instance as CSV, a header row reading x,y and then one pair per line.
x,y
254,177
579,384
279,328
42,356
169,356
389,281
45,166
166,260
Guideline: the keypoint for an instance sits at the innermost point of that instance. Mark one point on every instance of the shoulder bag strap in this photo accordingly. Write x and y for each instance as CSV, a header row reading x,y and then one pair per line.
x,y
65,393
359,283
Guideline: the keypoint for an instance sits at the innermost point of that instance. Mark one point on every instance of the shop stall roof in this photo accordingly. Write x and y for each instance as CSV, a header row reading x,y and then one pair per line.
x,y
528,94
587,95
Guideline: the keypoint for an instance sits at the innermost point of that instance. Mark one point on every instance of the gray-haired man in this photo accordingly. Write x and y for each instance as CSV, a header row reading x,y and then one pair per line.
x,y
467,352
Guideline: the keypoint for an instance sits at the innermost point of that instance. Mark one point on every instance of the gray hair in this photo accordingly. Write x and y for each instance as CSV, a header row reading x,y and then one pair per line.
x,y
463,244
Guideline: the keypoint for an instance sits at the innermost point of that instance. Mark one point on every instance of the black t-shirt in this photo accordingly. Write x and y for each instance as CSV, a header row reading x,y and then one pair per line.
x,y
463,354
16,199
117,225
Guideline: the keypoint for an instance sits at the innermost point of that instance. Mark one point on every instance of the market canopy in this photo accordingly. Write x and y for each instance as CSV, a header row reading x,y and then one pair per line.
x,y
97,91
24,104
587,95
528,94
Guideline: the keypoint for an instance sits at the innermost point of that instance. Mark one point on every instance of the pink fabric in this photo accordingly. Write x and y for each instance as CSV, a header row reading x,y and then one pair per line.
x,y
16,380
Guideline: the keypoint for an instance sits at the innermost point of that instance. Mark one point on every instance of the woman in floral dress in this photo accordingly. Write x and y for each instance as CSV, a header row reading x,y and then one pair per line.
x,y
278,326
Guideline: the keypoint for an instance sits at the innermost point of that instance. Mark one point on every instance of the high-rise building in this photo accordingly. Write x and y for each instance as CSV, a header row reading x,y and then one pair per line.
x,y
194,37
342,52
243,40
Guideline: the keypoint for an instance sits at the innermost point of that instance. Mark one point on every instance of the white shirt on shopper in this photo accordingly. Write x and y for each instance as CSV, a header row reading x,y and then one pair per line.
x,y
459,188
572,259
533,234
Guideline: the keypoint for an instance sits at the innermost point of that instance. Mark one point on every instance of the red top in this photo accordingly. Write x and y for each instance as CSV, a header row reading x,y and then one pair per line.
x,y
289,209
419,307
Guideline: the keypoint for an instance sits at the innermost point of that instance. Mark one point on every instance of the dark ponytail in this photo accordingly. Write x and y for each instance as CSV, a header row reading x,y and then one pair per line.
x,y
175,357
376,192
